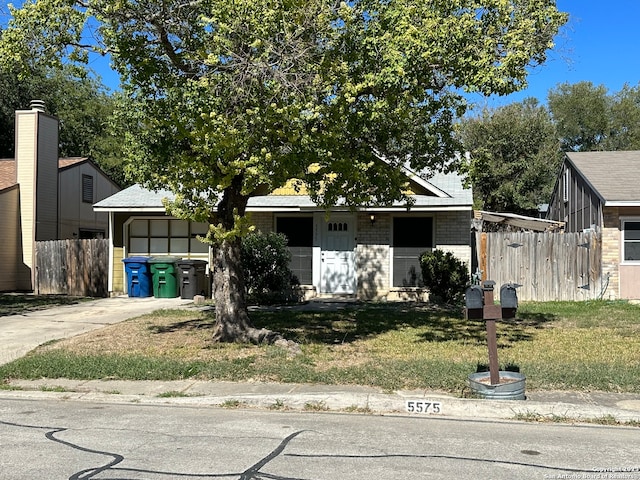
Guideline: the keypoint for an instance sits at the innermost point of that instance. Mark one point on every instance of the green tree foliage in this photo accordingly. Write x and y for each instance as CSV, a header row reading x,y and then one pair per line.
x,y
265,260
445,275
625,120
589,118
581,114
228,100
85,111
514,157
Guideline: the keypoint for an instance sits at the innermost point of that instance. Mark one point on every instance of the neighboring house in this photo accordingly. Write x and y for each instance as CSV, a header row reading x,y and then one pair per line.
x,y
371,253
44,198
601,191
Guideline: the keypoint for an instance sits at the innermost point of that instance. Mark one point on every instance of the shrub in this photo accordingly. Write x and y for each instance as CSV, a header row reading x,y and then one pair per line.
x,y
265,260
445,275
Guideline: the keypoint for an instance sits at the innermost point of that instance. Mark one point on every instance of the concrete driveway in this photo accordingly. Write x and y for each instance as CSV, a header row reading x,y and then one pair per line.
x,y
21,333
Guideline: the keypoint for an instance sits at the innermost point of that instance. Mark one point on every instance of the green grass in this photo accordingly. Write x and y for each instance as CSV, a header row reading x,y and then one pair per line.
x,y
557,345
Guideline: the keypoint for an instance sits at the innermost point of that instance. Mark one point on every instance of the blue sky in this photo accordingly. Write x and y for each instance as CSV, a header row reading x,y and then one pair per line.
x,y
600,44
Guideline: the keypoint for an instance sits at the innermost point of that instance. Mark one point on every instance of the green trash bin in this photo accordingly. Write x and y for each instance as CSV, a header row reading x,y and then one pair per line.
x,y
164,273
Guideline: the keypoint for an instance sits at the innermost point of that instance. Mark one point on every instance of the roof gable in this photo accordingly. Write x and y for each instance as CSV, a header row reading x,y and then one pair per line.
x,y
64,163
8,169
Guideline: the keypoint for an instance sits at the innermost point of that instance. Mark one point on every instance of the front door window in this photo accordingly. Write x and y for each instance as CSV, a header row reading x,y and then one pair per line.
x,y
338,256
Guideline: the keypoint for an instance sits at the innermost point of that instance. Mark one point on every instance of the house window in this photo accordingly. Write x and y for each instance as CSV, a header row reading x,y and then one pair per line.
x,y
87,188
299,233
412,236
565,186
164,236
337,226
631,240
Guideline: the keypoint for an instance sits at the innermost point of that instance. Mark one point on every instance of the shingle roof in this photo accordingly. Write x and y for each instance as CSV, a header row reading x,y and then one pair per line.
x,y
7,173
138,198
68,162
615,176
135,198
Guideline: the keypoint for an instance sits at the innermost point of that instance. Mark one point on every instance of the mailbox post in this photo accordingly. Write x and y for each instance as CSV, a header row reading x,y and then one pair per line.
x,y
480,305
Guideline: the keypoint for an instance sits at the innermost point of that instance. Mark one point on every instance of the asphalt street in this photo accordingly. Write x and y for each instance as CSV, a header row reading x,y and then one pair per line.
x,y
80,440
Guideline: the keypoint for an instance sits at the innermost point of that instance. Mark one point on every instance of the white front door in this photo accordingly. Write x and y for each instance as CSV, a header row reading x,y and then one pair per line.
x,y
337,256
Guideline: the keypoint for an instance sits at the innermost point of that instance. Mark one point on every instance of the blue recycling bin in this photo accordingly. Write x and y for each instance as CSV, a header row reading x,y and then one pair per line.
x,y
139,280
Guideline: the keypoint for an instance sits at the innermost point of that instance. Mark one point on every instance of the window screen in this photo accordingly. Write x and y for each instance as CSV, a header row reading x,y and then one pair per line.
x,y
299,233
632,241
412,236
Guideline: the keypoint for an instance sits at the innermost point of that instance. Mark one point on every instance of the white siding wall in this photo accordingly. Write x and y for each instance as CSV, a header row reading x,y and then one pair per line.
x,y
25,176
37,175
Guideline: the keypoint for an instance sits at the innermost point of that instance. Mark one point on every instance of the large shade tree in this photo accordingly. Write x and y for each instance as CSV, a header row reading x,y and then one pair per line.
x,y
514,157
79,100
231,99
589,118
581,113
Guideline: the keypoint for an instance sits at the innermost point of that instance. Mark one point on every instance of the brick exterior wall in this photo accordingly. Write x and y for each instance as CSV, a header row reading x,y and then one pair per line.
x,y
263,221
372,255
373,262
611,251
453,233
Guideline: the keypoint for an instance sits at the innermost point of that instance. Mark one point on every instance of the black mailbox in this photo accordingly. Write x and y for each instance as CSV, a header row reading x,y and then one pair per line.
x,y
508,300
474,299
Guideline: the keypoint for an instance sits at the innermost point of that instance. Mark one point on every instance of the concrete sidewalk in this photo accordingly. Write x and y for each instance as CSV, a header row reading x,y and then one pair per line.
x,y
21,333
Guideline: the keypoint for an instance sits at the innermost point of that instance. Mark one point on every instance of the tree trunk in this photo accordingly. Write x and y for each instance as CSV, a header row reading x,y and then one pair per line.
x,y
232,318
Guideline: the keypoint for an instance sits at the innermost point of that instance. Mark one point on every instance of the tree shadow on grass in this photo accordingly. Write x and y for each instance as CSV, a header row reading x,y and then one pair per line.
x,y
362,321
350,322
194,324
17,304
509,331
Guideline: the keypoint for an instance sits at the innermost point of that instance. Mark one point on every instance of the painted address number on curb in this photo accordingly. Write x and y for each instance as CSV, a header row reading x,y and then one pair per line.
x,y
423,406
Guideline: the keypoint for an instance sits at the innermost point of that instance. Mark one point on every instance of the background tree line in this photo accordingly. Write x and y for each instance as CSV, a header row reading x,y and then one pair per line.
x,y
85,108
516,150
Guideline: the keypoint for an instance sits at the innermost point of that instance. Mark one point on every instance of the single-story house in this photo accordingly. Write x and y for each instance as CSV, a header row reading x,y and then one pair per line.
x,y
43,197
601,191
370,253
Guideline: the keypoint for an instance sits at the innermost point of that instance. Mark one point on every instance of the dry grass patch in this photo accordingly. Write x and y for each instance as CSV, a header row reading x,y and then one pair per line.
x,y
179,334
559,345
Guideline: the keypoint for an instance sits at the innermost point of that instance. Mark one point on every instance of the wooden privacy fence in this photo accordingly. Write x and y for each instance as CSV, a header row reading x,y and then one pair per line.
x,y
72,267
549,266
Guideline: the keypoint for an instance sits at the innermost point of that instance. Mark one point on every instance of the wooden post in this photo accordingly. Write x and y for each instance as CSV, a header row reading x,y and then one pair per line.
x,y
492,342
491,312
483,255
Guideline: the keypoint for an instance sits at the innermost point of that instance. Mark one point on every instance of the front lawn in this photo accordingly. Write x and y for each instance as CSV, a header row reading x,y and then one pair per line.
x,y
557,345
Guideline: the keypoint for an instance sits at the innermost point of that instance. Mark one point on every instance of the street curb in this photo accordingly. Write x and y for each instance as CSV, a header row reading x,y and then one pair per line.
x,y
303,398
